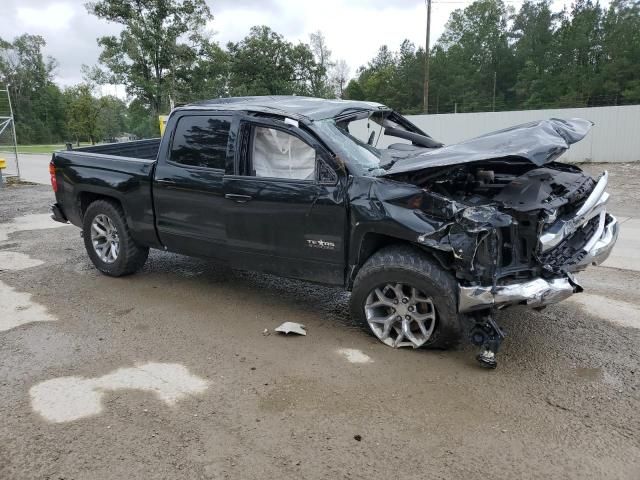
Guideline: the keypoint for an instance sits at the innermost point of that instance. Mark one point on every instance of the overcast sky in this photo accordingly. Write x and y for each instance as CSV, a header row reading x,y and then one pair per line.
x,y
354,29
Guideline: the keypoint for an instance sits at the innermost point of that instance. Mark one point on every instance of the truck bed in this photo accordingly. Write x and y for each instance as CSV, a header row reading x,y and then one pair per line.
x,y
122,172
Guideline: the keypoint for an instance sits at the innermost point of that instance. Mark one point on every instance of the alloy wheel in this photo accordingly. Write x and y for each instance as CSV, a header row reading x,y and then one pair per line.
x,y
400,315
105,238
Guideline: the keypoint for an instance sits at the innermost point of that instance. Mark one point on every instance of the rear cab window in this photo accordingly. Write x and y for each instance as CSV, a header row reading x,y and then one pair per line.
x,y
201,141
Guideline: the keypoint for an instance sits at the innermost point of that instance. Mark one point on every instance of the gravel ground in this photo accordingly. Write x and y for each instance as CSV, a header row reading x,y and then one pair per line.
x,y
563,403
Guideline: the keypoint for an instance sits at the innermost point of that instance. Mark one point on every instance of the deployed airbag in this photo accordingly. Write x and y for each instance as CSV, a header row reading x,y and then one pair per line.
x,y
278,154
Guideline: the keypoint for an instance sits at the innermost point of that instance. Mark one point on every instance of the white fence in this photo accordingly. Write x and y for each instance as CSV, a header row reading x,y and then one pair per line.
x,y
615,137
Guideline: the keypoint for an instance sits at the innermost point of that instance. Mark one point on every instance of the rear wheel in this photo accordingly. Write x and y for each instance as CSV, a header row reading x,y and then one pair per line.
x,y
406,300
108,240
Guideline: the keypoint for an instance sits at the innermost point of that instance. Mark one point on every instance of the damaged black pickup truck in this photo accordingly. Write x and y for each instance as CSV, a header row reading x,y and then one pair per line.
x,y
432,240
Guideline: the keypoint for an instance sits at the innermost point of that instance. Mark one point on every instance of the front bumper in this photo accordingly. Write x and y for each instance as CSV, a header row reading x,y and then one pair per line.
x,y
540,292
534,293
599,246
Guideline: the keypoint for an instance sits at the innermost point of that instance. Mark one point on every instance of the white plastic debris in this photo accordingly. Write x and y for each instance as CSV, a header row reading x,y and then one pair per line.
x,y
292,327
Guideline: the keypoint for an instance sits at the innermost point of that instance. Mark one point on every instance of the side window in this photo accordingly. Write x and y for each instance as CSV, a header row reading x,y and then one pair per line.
x,y
201,141
278,154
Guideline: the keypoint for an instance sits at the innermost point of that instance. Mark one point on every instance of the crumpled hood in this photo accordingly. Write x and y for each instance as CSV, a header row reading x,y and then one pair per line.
x,y
540,142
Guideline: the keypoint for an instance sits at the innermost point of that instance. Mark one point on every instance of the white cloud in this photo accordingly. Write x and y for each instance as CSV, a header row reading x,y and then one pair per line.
x,y
354,30
54,17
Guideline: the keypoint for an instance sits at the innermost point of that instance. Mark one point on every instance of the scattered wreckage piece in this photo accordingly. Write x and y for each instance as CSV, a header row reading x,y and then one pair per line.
x,y
291,327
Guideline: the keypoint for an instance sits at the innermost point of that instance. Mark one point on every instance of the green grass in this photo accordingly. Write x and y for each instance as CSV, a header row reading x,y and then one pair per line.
x,y
43,149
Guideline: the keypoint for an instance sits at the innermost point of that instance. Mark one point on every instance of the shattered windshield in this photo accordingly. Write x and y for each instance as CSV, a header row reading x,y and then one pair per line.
x,y
363,157
372,141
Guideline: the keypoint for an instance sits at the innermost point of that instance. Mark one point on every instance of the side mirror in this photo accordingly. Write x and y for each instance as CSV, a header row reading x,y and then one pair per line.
x,y
326,174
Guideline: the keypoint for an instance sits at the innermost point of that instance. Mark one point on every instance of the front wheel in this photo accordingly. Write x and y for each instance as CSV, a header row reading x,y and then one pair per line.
x,y
406,300
109,242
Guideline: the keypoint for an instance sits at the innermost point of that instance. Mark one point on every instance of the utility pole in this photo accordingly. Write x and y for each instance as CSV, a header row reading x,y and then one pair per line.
x,y
426,59
494,91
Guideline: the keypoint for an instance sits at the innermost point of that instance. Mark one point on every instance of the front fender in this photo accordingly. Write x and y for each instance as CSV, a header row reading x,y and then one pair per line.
x,y
404,212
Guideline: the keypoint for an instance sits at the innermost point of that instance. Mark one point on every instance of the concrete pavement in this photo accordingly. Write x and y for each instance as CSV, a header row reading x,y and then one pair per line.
x,y
626,253
35,168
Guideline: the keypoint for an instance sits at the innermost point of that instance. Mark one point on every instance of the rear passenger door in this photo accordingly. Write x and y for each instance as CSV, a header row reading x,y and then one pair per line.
x,y
188,192
285,210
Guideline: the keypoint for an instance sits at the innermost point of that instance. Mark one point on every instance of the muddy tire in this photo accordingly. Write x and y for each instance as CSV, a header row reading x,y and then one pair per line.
x,y
108,240
403,286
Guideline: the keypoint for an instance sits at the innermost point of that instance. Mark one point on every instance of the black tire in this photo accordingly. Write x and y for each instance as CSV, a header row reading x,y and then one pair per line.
x,y
131,256
409,265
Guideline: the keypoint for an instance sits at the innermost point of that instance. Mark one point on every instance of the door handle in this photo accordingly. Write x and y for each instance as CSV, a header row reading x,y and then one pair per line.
x,y
238,198
166,182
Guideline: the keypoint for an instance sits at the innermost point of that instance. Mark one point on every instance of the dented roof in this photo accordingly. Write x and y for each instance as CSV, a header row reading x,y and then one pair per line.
x,y
308,108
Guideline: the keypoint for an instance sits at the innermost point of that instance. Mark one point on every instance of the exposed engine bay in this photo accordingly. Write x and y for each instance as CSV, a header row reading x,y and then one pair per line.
x,y
499,210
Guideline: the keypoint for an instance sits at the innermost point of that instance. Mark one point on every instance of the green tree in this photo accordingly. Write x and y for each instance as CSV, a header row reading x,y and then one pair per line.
x,y
112,120
208,76
377,78
620,72
37,101
354,90
578,55
140,123
471,58
533,35
476,47
410,74
264,63
84,113
158,42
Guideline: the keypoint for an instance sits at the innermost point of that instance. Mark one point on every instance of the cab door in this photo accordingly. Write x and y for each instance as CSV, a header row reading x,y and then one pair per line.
x,y
188,188
285,205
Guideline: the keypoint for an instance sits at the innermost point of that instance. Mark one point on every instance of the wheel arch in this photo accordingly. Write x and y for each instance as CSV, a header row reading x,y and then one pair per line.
x,y
372,242
85,198
369,243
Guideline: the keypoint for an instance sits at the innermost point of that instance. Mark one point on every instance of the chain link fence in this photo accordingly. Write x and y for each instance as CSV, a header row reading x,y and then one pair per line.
x,y
8,147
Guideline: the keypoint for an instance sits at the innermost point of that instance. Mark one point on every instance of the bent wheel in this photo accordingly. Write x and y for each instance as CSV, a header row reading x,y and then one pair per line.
x,y
400,315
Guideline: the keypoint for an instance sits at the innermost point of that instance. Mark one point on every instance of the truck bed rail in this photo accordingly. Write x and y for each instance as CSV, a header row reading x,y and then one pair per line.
x,y
146,149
